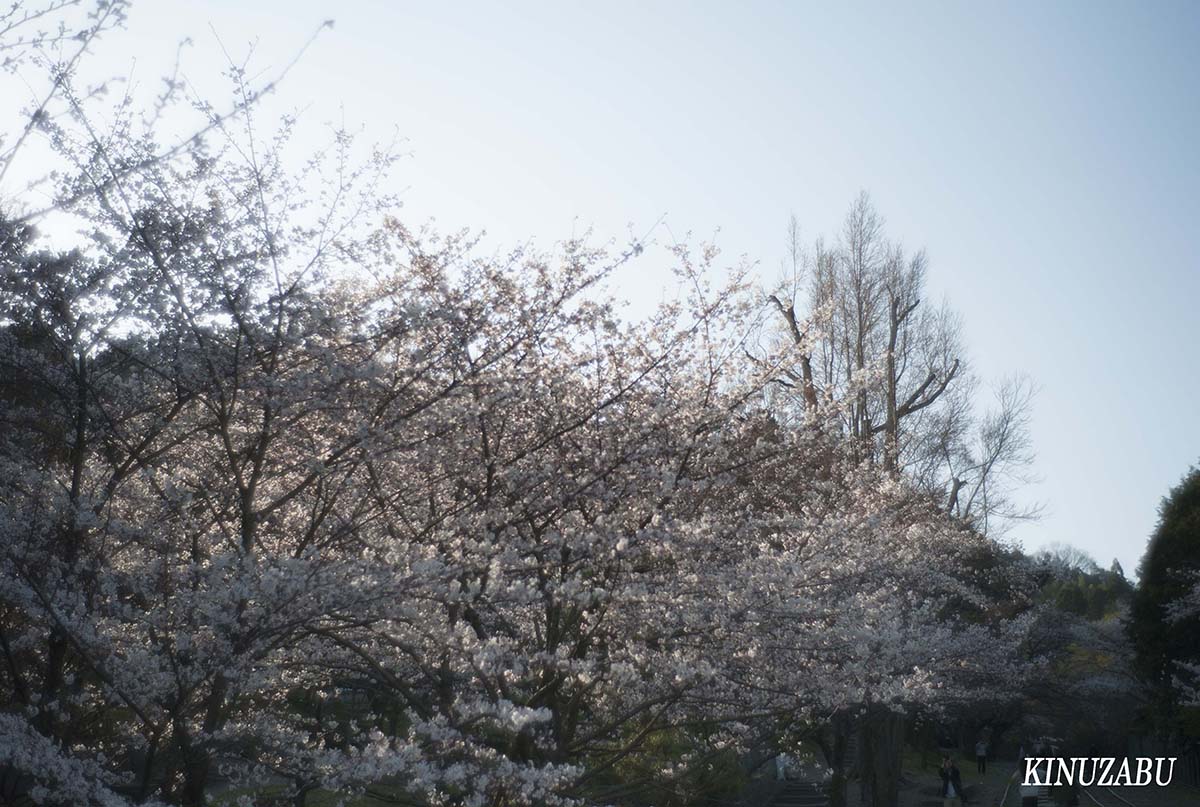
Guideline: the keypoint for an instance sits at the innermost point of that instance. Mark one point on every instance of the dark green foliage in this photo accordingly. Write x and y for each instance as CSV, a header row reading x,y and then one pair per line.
x,y
1090,594
1172,552
708,777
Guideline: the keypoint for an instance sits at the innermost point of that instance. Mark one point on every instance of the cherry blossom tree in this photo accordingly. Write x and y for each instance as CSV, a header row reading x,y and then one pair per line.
x,y
298,497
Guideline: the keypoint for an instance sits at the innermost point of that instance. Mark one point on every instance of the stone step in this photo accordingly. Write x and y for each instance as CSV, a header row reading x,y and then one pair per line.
x,y
801,794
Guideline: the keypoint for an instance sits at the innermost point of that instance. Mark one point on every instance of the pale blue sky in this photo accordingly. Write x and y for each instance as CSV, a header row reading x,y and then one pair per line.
x,y
1045,155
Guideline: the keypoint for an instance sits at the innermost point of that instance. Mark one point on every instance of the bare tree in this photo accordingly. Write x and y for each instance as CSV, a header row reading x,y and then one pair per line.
x,y
1067,558
861,330
985,472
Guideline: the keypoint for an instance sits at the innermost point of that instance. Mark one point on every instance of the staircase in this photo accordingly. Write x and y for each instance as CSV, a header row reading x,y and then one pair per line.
x,y
850,760
1012,795
800,794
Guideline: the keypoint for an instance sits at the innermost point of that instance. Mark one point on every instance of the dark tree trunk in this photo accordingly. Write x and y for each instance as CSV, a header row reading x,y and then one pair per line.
x,y
882,741
834,745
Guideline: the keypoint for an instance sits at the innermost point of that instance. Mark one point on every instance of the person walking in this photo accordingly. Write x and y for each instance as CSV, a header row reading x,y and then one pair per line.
x,y
981,750
952,787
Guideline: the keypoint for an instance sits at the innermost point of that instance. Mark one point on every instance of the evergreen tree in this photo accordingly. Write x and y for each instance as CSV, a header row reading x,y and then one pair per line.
x,y
1165,576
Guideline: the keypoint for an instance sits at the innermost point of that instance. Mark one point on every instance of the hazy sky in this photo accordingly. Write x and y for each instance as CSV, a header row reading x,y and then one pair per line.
x,y
1045,155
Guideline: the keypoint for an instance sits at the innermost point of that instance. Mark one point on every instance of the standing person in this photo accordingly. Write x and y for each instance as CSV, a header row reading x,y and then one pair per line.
x,y
952,787
981,749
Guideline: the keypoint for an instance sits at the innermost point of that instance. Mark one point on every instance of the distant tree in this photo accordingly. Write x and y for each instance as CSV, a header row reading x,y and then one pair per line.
x,y
1064,557
1165,632
1084,689
877,362
1075,584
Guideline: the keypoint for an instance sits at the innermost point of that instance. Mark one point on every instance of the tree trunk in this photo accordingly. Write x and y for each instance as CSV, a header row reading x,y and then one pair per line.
x,y
891,441
834,747
882,740
195,777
